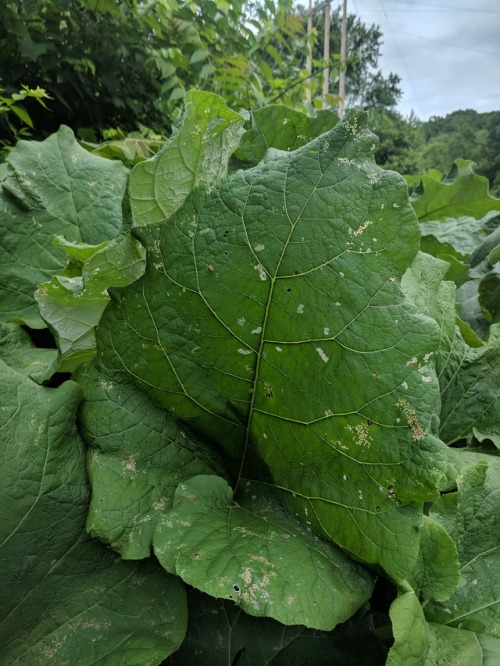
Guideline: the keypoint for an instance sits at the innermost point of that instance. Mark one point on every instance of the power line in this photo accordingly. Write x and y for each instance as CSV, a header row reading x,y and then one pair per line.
x,y
402,58
454,46
444,8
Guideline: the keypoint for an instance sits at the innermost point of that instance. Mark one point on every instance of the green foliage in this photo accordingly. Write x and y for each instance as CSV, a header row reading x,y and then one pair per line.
x,y
127,65
275,402
411,146
12,106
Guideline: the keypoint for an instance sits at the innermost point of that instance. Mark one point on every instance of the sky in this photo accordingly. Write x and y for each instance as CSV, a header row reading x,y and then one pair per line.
x,y
447,52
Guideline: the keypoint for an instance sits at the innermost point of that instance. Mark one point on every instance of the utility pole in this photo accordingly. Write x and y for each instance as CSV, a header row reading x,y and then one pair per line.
x,y
326,55
309,66
343,54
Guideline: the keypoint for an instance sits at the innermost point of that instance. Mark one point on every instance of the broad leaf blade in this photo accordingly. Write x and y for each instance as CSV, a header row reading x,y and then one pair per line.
x,y
436,575
137,456
277,126
470,517
72,303
461,193
52,187
62,594
256,556
196,154
271,320
469,377
411,634
18,352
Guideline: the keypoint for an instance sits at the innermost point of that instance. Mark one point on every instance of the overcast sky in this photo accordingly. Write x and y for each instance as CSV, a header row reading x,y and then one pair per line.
x,y
447,52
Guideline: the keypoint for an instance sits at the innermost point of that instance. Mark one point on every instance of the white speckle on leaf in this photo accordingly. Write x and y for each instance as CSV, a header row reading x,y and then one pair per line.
x,y
245,352
326,331
426,379
341,274
260,247
264,435
257,330
262,272
328,412
130,465
395,205
300,308
278,349
362,227
241,321
405,386
322,355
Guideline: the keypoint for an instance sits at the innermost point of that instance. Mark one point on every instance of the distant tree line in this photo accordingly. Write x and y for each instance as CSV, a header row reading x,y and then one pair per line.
x,y
120,67
411,146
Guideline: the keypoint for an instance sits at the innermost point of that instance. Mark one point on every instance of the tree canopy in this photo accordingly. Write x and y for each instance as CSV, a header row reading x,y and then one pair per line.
x,y
108,65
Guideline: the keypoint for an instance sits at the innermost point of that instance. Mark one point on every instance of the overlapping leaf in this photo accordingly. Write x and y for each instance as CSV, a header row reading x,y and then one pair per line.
x,y
261,641
197,153
277,126
270,319
460,193
255,555
65,597
52,187
470,517
469,376
137,456
422,643
73,301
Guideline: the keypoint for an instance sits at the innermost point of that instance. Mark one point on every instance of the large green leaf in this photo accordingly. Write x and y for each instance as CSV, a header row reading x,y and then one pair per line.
x,y
137,456
73,301
471,390
464,234
277,126
52,187
65,597
469,376
251,641
255,555
17,351
470,517
436,574
461,193
271,320
411,637
422,643
197,153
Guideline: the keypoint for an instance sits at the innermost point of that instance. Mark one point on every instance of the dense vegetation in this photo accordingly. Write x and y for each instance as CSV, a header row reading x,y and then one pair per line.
x,y
263,420
249,379
412,146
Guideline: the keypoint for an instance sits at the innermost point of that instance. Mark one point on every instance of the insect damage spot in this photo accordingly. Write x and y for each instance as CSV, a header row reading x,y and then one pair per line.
x,y
417,431
322,355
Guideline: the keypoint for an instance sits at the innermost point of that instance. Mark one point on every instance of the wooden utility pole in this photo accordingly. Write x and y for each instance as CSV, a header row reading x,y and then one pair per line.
x,y
309,66
326,56
343,54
